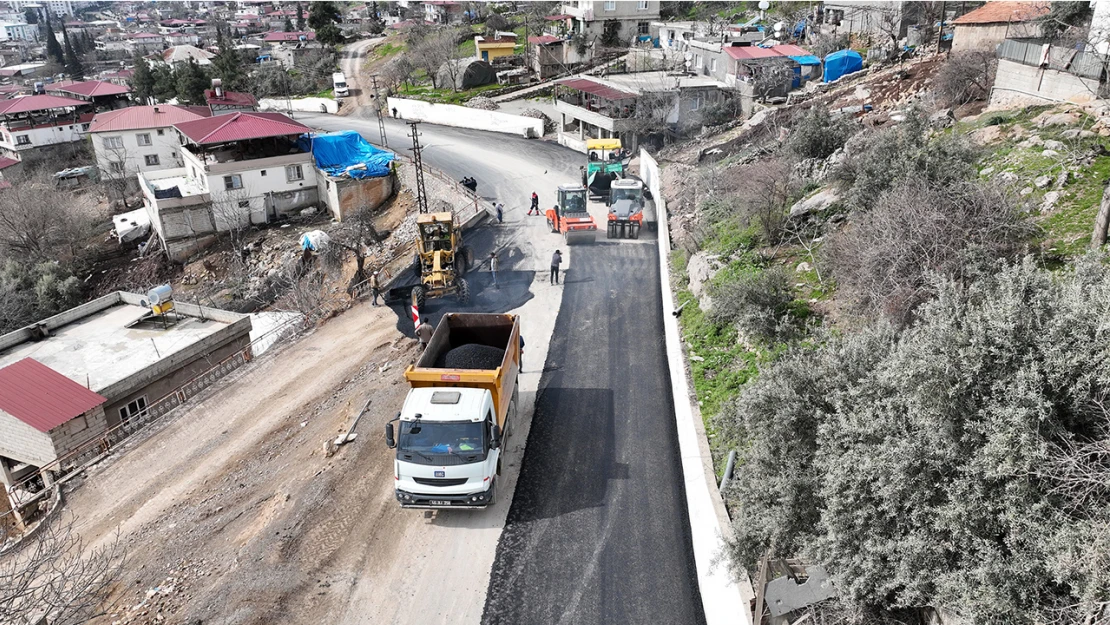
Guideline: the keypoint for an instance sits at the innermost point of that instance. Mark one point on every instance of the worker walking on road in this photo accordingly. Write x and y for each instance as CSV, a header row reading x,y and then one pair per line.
x,y
556,260
500,212
375,287
424,333
535,204
493,269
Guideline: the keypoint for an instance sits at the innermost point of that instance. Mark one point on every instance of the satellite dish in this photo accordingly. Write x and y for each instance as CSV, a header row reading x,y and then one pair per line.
x,y
764,5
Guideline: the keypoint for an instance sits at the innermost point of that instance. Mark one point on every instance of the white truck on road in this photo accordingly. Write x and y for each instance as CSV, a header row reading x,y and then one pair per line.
x,y
455,421
339,85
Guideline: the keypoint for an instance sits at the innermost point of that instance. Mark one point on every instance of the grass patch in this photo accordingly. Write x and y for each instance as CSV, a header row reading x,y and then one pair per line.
x,y
1068,229
389,49
442,96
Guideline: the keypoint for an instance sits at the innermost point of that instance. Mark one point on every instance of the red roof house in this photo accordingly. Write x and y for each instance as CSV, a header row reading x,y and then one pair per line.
x,y
240,127
141,117
986,27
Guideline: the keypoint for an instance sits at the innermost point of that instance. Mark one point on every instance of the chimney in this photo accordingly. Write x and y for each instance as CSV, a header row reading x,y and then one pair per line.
x,y
156,110
217,86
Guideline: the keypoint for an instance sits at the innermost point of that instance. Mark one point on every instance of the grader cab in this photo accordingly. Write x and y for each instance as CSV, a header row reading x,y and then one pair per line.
x,y
441,259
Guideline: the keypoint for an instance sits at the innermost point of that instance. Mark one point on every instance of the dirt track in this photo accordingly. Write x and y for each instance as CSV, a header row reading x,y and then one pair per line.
x,y
243,503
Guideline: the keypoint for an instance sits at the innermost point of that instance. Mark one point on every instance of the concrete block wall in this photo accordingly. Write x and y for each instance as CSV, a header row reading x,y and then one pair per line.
x,y
1016,84
464,117
24,443
71,434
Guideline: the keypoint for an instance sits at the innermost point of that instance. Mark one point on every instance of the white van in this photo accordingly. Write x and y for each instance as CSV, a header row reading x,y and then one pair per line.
x,y
339,85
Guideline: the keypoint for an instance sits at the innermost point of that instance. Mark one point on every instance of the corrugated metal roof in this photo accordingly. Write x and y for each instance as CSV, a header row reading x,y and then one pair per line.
x,y
292,36
138,117
93,88
37,103
543,40
182,54
750,53
233,98
1003,13
6,162
240,127
41,397
598,89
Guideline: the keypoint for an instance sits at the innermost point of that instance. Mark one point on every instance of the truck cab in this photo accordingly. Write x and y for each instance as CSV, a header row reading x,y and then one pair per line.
x,y
448,448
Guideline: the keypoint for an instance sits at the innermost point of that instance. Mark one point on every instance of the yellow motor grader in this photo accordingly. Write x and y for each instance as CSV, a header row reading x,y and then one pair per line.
x,y
441,259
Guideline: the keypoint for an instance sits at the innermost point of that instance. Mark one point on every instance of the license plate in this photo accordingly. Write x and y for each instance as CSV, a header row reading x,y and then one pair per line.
x,y
441,474
438,502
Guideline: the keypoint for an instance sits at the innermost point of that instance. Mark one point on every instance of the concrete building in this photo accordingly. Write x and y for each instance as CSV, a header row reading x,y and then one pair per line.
x,y
633,17
36,122
986,27
106,364
238,169
444,11
44,416
59,8
184,54
1032,72
550,56
140,138
491,48
883,21
1099,34
140,43
18,32
619,105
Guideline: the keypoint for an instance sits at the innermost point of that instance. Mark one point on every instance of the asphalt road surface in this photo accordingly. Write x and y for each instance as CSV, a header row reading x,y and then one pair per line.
x,y
597,531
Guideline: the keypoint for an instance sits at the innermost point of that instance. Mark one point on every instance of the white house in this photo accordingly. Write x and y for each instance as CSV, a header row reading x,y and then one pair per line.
x,y
38,121
238,169
633,16
140,138
18,32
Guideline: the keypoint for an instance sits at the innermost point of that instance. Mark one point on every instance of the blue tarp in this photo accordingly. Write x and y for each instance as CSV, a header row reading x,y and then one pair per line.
x,y
337,152
842,62
806,60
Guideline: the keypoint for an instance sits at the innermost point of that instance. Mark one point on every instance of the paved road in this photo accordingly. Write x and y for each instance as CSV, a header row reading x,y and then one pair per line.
x,y
597,531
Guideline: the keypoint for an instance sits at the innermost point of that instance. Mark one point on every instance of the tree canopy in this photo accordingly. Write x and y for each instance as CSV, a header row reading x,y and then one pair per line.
x,y
53,48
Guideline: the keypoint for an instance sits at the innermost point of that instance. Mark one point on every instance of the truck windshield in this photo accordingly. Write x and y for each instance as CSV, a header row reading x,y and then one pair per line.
x,y
626,194
432,441
340,85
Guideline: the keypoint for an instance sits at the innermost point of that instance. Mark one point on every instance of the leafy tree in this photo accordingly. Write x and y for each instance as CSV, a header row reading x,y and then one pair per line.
x,y
758,301
300,17
142,80
227,65
288,26
934,466
329,34
377,24
817,135
321,14
496,22
53,48
611,34
190,81
31,16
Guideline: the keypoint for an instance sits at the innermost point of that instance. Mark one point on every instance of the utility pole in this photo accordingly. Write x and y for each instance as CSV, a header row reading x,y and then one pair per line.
x,y
421,194
378,110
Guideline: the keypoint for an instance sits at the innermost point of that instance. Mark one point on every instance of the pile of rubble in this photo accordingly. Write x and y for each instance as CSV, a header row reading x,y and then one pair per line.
x,y
161,602
483,103
548,123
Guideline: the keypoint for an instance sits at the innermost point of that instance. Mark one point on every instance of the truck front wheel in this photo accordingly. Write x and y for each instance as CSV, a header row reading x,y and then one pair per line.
x,y
464,291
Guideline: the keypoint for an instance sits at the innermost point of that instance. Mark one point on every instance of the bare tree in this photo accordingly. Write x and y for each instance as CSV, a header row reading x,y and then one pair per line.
x,y
40,222
356,234
966,75
231,214
113,172
50,579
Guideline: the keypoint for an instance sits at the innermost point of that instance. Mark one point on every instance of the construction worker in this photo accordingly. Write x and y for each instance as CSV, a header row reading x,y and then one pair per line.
x,y
500,212
375,287
424,333
556,260
493,269
556,209
535,204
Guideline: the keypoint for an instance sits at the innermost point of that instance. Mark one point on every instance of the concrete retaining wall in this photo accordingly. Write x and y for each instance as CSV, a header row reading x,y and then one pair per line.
x,y
1018,84
724,599
463,117
307,105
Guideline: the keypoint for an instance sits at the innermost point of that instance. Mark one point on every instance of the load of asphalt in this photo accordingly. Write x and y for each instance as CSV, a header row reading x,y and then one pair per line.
x,y
471,356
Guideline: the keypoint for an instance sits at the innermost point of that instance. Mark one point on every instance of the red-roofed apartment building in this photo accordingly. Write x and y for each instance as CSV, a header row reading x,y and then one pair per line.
x,y
238,169
139,138
43,416
32,127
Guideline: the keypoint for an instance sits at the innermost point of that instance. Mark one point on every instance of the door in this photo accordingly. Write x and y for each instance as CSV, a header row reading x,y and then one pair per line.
x,y
485,56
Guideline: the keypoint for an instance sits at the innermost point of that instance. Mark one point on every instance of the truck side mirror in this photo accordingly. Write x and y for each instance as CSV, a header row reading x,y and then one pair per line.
x,y
495,440
389,440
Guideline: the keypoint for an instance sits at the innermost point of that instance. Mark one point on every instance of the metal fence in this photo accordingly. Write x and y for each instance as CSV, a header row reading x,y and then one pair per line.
x,y
1037,53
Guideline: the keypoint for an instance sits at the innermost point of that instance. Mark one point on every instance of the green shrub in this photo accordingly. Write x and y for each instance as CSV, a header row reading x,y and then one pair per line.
x,y
816,134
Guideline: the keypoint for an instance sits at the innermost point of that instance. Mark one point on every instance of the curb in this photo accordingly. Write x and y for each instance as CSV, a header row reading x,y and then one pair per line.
x,y
722,598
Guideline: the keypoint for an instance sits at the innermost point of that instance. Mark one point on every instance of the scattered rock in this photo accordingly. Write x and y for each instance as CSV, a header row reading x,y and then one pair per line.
x,y
1049,201
1049,118
1053,144
1006,177
987,171
700,269
942,118
803,267
987,135
1031,142
1050,153
814,204
1026,191
483,103
1042,181
1076,133
1062,178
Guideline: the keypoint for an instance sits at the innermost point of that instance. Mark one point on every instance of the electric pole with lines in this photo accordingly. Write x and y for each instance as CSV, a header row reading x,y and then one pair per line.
x,y
378,110
421,194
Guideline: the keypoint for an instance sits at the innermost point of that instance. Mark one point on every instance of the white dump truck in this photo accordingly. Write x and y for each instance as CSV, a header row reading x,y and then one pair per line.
x,y
339,85
456,419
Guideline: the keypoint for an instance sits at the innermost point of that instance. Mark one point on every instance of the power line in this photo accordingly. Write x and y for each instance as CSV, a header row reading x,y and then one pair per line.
x,y
421,194
378,110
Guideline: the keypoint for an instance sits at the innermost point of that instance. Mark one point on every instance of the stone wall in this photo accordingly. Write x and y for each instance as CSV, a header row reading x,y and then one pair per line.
x,y
24,443
69,435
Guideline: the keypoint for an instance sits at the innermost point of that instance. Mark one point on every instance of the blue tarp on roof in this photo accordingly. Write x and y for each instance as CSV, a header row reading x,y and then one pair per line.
x,y
345,152
842,62
806,60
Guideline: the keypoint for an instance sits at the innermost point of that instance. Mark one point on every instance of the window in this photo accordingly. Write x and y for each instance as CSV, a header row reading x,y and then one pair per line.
x,y
294,172
611,5
113,143
713,65
263,173
116,166
245,204
642,5
135,408
643,28
22,140
234,181
695,103
143,138
151,160
161,131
